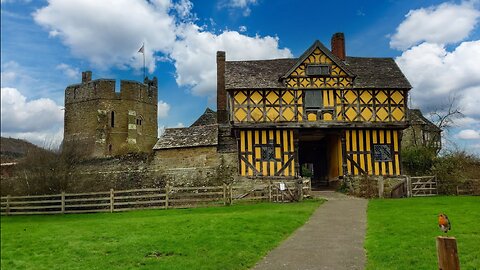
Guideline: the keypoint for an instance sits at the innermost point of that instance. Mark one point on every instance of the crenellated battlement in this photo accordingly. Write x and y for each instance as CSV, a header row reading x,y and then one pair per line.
x,y
89,89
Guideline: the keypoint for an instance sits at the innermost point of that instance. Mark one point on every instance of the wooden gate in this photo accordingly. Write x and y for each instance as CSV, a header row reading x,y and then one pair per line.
x,y
424,186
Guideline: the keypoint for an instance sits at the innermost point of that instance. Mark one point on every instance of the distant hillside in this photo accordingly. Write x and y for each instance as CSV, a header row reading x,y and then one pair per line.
x,y
13,149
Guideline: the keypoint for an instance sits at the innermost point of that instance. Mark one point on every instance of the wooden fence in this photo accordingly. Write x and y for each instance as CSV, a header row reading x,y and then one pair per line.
x,y
150,198
423,186
469,187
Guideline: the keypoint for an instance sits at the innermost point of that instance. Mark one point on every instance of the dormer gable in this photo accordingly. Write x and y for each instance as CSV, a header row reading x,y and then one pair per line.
x,y
318,61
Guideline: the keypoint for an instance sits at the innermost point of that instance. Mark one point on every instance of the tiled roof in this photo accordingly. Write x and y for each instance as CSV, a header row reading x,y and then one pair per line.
x,y
416,117
266,74
209,117
188,137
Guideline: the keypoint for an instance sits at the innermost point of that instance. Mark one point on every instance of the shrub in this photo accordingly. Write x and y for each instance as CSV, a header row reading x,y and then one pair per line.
x,y
418,160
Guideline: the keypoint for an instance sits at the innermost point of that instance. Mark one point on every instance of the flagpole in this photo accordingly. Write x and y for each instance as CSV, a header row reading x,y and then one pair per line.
x,y
143,61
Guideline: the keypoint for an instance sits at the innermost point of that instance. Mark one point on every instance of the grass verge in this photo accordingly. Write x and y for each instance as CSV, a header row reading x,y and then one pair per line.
x,y
401,233
234,237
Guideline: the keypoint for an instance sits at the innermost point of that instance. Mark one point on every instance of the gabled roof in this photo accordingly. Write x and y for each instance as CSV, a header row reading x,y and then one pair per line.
x,y
209,117
377,73
416,117
188,137
323,49
265,74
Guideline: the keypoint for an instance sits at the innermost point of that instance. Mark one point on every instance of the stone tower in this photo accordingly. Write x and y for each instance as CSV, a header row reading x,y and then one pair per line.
x,y
103,122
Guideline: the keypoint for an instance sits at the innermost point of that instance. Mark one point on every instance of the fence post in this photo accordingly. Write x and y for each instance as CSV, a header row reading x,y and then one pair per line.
x,y
300,189
230,188
224,194
167,190
447,253
270,190
112,197
380,186
7,210
63,202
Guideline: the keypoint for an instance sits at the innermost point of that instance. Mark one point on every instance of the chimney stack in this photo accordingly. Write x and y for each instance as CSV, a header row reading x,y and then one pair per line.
x,y
222,115
86,76
338,46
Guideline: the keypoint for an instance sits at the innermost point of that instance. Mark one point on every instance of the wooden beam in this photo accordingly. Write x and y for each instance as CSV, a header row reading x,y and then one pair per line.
x,y
447,253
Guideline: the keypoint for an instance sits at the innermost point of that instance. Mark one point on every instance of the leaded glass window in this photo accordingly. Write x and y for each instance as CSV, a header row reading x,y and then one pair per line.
x,y
382,152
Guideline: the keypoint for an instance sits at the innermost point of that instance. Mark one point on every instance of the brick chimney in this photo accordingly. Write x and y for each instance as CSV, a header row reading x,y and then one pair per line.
x,y
86,76
338,45
222,115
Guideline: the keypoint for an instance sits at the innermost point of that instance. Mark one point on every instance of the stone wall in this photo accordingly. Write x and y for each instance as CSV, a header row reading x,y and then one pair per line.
x,y
369,186
105,122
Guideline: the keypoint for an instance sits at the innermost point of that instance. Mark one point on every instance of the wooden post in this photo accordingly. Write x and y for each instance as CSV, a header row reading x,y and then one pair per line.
x,y
63,202
270,190
447,253
300,189
112,202
409,186
7,210
231,194
380,186
224,194
167,191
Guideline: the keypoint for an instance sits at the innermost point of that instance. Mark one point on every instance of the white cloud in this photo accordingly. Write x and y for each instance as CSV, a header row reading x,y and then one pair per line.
x,y
163,109
242,29
436,74
194,55
37,120
238,4
110,33
469,134
442,24
168,29
180,125
71,72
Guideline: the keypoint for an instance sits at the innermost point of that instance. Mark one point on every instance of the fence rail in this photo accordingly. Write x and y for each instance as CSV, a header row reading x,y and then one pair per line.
x,y
424,186
150,198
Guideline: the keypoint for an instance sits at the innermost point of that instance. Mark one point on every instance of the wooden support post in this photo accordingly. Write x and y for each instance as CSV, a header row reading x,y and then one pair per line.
x,y
409,186
112,202
380,186
167,191
63,202
231,193
7,210
447,253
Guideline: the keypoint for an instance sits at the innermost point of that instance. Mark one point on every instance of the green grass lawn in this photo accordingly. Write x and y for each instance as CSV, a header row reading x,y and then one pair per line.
x,y
234,237
401,232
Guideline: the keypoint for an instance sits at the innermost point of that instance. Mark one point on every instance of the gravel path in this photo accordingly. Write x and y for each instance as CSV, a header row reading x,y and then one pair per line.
x,y
332,238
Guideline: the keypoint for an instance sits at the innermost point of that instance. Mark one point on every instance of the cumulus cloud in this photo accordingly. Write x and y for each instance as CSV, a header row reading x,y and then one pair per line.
x,y
194,54
469,134
243,5
436,74
163,109
442,24
110,33
37,120
167,28
71,72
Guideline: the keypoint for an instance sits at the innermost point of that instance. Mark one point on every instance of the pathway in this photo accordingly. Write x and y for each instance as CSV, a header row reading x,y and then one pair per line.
x,y
331,239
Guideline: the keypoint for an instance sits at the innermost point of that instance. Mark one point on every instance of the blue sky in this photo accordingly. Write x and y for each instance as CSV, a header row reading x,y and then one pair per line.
x,y
46,44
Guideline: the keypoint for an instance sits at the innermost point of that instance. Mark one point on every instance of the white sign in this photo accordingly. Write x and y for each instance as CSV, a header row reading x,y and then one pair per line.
x,y
282,186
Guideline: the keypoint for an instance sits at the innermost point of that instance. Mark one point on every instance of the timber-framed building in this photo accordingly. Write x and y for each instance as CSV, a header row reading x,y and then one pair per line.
x,y
323,114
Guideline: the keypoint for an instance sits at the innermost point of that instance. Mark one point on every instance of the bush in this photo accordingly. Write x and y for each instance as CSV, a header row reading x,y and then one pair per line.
x,y
418,160
455,168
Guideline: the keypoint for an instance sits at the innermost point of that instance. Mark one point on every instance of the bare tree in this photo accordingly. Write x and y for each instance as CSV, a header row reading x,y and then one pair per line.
x,y
445,119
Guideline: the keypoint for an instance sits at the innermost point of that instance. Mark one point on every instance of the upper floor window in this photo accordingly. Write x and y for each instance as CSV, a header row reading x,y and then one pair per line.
x,y
313,99
318,70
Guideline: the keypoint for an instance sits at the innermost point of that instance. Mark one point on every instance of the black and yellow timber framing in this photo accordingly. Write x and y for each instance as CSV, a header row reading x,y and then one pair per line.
x,y
251,143
359,151
346,105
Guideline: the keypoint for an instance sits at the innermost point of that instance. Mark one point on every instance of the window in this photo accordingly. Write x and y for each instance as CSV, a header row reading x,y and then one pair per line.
x,y
268,152
112,119
318,70
139,121
313,99
382,152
